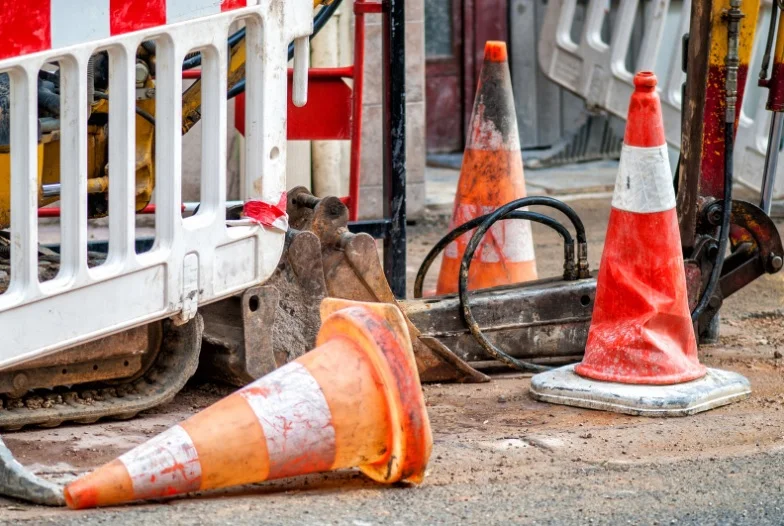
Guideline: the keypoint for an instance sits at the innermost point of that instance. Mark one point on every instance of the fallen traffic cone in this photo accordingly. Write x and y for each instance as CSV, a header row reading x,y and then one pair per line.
x,y
355,400
641,354
491,176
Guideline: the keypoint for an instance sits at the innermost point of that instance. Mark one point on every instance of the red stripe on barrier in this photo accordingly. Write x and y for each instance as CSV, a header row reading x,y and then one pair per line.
x,y
25,27
132,15
228,5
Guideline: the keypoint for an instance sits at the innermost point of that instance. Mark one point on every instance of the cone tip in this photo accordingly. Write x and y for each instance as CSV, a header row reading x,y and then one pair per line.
x,y
645,81
495,51
76,499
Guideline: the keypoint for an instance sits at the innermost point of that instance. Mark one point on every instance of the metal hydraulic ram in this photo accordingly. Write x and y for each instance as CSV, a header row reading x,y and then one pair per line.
x,y
775,85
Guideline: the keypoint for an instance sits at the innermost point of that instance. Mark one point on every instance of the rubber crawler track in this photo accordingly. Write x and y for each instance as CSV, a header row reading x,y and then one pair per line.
x,y
175,364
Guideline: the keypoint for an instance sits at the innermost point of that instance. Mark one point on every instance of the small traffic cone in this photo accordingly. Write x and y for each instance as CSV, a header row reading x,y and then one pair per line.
x,y
641,354
355,400
491,176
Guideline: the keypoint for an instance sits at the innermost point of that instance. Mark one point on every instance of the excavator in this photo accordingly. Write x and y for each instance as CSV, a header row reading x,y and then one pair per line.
x,y
727,244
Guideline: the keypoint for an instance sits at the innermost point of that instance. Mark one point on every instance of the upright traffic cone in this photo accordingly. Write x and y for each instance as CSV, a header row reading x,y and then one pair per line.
x,y
641,354
355,400
491,176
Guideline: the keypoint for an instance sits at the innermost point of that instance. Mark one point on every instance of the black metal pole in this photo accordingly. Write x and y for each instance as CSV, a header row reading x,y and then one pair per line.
x,y
394,125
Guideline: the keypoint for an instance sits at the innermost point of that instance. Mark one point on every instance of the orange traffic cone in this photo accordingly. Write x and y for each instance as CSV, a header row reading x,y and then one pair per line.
x,y
641,344
491,176
355,400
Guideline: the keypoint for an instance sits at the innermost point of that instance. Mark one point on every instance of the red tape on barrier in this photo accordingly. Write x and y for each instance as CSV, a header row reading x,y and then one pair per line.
x,y
265,214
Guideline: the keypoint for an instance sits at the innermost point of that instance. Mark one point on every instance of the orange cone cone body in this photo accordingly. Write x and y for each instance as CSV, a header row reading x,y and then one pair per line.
x,y
491,176
641,330
355,400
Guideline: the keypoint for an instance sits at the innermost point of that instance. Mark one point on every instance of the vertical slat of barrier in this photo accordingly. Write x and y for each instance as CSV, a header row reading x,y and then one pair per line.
x,y
122,153
73,164
622,36
265,144
299,94
24,180
253,109
675,74
213,147
592,34
168,141
652,38
564,36
548,99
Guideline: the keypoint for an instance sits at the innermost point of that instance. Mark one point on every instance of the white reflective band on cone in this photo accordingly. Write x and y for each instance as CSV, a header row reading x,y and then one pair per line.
x,y
295,417
168,462
644,182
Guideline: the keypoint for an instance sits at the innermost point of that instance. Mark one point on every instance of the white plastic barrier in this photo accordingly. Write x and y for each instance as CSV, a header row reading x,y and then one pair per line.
x,y
596,70
195,260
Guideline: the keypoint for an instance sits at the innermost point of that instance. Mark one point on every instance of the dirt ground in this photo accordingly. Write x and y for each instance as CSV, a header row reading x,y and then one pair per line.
x,y
500,457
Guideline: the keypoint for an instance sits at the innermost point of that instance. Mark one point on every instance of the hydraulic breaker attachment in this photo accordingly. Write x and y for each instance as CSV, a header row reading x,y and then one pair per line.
x,y
248,335
544,322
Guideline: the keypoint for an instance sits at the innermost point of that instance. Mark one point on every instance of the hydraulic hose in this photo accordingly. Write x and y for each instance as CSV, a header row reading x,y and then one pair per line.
x,y
140,112
724,228
49,101
763,74
465,266
569,265
483,224
582,242
194,60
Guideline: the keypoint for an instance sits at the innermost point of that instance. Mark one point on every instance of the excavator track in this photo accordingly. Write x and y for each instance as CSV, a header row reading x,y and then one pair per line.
x,y
174,364
159,374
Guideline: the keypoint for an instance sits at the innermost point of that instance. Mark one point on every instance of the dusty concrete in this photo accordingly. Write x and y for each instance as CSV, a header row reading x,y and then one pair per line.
x,y
500,457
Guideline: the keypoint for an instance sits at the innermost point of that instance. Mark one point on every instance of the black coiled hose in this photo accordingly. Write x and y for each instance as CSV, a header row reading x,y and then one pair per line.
x,y
465,266
473,223
482,225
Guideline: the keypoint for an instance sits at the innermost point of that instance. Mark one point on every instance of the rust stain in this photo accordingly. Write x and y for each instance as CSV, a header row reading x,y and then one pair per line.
x,y
260,390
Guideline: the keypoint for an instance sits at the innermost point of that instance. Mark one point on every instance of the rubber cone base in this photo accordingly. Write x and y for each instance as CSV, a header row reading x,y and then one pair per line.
x,y
716,388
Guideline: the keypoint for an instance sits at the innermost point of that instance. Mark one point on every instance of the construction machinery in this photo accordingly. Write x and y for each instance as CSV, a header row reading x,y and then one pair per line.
x,y
119,368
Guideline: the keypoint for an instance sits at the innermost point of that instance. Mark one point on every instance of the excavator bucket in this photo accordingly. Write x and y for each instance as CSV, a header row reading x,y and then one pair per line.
x,y
265,327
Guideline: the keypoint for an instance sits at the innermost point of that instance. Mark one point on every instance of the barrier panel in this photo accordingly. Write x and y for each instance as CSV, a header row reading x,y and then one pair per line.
x,y
194,260
598,70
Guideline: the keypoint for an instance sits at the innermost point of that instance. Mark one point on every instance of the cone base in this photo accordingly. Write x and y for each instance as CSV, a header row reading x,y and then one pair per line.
x,y
564,386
